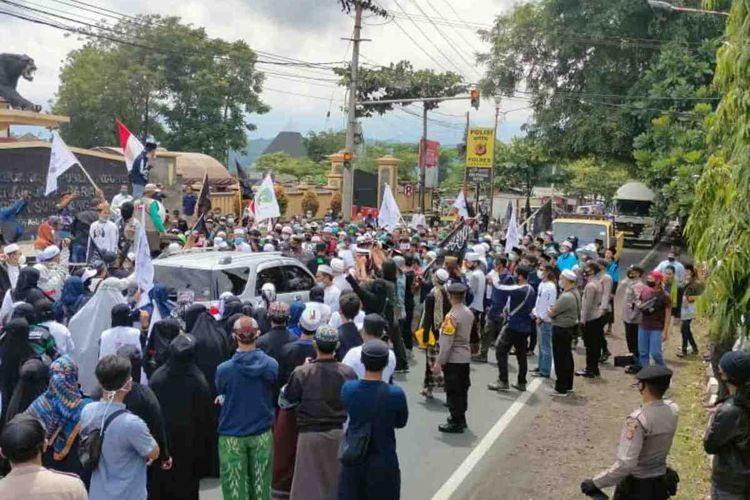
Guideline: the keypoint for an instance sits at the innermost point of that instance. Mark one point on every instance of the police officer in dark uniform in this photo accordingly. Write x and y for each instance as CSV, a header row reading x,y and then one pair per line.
x,y
640,472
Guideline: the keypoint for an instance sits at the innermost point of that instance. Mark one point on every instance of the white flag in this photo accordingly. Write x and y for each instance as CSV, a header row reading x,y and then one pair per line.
x,y
60,160
266,205
144,268
389,215
460,205
513,234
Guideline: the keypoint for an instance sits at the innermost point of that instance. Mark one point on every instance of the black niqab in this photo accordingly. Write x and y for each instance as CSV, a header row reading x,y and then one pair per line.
x,y
210,344
28,279
191,315
14,351
157,350
33,381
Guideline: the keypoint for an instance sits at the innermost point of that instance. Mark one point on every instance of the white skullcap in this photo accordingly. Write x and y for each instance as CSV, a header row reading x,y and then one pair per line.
x,y
9,249
442,275
286,229
315,239
338,265
325,270
311,319
48,253
472,257
88,274
567,244
569,275
268,247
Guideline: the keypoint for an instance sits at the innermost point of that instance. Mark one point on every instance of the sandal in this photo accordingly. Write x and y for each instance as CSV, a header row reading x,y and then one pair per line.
x,y
426,393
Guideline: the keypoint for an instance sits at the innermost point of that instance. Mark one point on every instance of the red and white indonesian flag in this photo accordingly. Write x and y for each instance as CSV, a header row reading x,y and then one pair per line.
x,y
131,146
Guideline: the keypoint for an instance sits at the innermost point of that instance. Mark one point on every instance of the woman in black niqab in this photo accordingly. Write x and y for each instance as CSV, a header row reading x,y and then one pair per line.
x,y
157,348
33,381
210,345
14,351
187,406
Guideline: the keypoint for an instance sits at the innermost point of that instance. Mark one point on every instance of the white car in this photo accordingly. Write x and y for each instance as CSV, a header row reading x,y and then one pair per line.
x,y
205,274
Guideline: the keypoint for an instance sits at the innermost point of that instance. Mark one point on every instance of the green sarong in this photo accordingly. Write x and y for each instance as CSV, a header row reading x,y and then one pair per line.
x,y
246,466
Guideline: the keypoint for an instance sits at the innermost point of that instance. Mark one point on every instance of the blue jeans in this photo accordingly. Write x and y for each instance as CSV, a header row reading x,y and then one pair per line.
x,y
138,191
545,348
649,344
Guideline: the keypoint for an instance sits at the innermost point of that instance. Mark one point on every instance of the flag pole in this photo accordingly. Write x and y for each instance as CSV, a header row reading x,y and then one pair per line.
x,y
88,177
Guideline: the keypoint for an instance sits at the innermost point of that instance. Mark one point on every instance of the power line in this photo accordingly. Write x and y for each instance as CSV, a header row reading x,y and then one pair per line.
x,y
429,40
451,43
280,91
450,6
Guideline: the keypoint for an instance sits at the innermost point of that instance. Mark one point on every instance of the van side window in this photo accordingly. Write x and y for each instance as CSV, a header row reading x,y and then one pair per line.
x,y
233,280
296,280
270,275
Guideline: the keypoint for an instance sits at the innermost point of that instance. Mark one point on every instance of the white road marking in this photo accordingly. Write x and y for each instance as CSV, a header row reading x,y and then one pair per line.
x,y
451,485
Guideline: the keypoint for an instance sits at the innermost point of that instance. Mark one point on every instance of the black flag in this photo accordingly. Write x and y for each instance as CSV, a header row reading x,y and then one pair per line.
x,y
543,218
246,188
203,205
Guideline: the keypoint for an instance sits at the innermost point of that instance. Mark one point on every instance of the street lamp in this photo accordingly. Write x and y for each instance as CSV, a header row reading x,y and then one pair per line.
x,y
663,6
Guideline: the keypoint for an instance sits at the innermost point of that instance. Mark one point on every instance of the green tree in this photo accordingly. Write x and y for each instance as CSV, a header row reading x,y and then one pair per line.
x,y
321,144
717,230
521,164
310,202
590,178
581,63
201,89
282,164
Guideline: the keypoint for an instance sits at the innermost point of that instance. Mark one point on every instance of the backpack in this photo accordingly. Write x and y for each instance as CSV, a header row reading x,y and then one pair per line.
x,y
90,446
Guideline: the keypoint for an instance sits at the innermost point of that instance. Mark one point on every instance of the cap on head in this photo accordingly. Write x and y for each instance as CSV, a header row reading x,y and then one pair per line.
x,y
245,329
338,265
326,334
278,311
374,325
48,253
374,355
442,275
9,249
654,373
569,275
324,269
472,257
457,288
656,276
736,365
311,319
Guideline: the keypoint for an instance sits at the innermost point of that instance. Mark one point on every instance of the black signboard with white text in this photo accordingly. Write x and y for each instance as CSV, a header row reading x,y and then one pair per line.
x,y
25,169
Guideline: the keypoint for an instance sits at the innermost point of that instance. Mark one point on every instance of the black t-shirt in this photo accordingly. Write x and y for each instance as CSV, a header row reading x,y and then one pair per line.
x,y
349,337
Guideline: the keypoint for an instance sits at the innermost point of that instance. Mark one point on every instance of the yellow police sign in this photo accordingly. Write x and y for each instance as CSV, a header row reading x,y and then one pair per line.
x,y
479,148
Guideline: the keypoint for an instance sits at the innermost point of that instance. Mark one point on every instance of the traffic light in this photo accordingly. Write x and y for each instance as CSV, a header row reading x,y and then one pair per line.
x,y
347,159
475,98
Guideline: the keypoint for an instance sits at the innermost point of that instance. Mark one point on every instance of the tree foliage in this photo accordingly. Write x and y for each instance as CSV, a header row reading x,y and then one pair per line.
x,y
521,164
591,179
281,197
282,164
322,144
193,91
581,64
310,202
718,230
400,81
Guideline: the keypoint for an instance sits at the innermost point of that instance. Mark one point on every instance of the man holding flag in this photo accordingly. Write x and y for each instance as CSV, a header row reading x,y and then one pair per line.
x,y
137,158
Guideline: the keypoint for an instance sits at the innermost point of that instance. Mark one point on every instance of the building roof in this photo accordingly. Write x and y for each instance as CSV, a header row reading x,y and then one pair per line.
x,y
194,165
290,143
246,157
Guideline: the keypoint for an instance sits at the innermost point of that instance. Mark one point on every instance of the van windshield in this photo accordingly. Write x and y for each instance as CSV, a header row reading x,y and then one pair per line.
x,y
633,208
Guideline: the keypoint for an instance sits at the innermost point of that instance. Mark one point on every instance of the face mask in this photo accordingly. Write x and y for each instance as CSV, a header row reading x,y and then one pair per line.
x,y
512,257
22,260
102,218
540,274
239,241
651,283
284,236
561,283
670,259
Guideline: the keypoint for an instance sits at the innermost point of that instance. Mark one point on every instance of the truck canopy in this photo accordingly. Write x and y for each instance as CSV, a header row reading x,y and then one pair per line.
x,y
636,191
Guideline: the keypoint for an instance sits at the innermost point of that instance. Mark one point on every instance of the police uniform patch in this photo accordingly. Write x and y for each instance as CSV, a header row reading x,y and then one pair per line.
x,y
631,423
448,327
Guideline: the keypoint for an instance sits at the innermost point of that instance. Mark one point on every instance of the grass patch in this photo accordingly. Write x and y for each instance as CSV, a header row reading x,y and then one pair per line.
x,y
687,456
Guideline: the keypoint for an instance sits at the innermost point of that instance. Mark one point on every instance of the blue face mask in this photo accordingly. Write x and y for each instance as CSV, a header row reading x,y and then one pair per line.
x,y
239,241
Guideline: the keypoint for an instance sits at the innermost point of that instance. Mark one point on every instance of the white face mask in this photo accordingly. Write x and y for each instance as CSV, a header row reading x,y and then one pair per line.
x,y
540,274
561,283
22,260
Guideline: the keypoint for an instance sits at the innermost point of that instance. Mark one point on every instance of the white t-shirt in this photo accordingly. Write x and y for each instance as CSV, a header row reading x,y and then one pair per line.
x,y
331,296
62,337
13,272
105,235
347,256
477,284
546,297
337,320
353,359
490,280
114,338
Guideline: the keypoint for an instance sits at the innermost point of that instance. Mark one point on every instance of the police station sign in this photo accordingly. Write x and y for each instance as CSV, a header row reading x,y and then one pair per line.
x,y
480,147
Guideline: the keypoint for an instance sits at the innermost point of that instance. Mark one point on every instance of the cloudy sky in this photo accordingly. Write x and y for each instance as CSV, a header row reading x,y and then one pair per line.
x,y
436,34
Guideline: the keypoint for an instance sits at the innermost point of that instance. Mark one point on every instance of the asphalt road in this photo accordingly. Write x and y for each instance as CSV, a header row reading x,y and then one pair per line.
x,y
429,458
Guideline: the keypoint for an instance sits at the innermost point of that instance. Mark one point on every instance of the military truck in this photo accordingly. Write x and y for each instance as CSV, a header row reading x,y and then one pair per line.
x,y
632,207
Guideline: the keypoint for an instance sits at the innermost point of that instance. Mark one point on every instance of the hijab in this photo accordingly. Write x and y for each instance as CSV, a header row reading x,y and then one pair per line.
x,y
157,350
121,316
86,328
25,311
136,360
231,308
211,347
192,314
71,300
295,313
45,236
16,349
59,408
28,279
33,381
126,210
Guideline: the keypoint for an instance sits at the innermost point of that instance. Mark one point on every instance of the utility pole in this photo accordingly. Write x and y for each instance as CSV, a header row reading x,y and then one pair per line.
x,y
347,197
466,152
423,158
494,156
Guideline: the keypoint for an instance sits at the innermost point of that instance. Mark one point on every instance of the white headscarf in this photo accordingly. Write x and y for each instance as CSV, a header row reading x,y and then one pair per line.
x,y
86,328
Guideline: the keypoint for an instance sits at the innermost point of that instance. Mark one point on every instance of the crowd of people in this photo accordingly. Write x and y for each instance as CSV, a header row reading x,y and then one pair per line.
x,y
302,400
